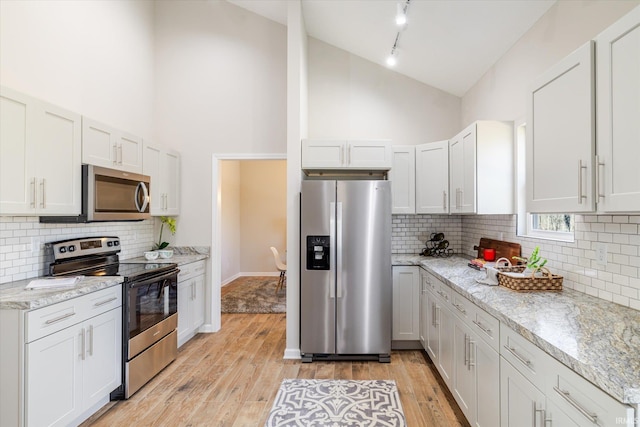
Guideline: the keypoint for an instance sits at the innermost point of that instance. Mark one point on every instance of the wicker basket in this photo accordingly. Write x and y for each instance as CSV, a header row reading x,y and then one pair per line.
x,y
504,265
545,282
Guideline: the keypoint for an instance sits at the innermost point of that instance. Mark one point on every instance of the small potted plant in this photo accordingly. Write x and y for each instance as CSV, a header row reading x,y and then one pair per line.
x,y
171,223
534,262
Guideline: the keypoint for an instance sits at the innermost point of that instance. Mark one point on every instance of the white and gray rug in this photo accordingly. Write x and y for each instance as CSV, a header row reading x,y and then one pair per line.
x,y
337,403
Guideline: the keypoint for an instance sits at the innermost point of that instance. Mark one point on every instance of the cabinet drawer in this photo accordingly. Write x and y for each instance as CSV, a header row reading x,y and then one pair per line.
x,y
193,269
582,401
462,307
55,317
528,359
486,326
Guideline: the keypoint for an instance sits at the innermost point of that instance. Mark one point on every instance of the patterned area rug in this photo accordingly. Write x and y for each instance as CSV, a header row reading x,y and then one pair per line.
x,y
337,403
253,295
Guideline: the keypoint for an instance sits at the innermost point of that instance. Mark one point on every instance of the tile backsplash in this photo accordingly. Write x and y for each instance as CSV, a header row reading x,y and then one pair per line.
x,y
18,261
618,281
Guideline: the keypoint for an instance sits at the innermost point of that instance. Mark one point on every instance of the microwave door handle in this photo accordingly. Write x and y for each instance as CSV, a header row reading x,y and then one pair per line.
x,y
141,185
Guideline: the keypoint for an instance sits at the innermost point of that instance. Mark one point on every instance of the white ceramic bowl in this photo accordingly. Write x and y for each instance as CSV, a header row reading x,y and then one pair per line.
x,y
166,253
151,255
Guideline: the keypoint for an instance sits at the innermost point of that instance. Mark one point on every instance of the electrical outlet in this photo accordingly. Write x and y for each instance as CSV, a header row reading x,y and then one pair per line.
x,y
35,245
601,253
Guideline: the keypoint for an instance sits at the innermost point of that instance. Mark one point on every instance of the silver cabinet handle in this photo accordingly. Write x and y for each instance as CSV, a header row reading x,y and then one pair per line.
x,y
33,192
437,315
466,349
90,340
580,195
460,308
535,414
461,198
342,155
598,164
443,295
567,396
120,155
43,203
115,154
349,155
517,356
82,344
444,200
433,314
481,326
60,318
107,301
472,355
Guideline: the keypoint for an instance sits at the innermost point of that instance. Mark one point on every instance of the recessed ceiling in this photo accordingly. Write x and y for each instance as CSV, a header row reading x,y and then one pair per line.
x,y
448,44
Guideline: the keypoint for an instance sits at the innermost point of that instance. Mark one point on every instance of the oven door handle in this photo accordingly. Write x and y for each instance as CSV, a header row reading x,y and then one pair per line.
x,y
151,280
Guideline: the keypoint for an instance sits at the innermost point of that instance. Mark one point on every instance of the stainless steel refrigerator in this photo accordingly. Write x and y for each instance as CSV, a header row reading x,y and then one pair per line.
x,y
345,281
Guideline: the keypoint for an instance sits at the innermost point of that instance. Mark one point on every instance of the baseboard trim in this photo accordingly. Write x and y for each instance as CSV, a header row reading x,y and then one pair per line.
x,y
230,279
292,353
250,274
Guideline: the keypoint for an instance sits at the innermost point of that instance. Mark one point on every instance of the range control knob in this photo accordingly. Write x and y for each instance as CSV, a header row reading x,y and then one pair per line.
x,y
109,244
62,250
116,243
72,248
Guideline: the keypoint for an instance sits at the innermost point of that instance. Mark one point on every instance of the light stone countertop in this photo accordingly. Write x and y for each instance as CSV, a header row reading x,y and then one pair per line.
x,y
14,296
597,339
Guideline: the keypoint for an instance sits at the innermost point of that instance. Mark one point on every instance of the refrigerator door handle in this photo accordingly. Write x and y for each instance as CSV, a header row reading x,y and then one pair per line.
x,y
332,248
338,247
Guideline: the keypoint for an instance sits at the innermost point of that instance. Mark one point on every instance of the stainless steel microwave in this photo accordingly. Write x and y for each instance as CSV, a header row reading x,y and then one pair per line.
x,y
110,195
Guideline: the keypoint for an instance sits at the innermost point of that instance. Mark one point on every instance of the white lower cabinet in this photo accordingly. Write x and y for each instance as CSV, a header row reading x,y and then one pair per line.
x,y
521,403
406,304
191,300
59,363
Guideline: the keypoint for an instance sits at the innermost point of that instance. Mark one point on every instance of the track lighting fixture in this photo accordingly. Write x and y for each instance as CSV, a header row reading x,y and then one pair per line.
x,y
401,21
401,14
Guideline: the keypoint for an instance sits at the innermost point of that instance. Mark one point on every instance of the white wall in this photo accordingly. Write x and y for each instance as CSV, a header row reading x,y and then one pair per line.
x,y
350,97
230,218
501,93
220,88
263,214
92,57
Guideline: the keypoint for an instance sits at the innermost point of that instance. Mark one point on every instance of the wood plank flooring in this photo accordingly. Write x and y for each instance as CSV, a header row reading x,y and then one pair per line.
x,y
231,378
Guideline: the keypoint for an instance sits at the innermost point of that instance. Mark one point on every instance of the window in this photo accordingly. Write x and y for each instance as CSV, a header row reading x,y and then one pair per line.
x,y
545,226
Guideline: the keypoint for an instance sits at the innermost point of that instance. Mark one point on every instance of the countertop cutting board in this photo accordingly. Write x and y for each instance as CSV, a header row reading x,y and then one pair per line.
x,y
503,249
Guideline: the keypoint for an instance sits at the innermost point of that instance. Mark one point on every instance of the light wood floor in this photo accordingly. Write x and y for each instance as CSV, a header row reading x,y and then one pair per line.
x,y
231,378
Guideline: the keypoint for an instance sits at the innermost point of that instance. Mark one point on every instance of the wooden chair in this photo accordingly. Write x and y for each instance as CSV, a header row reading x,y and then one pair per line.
x,y
282,268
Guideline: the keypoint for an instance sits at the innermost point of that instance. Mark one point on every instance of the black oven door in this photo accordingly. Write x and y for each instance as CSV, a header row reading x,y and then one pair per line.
x,y
151,301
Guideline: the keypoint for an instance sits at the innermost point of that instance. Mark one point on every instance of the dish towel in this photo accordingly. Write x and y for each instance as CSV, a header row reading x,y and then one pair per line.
x,y
492,277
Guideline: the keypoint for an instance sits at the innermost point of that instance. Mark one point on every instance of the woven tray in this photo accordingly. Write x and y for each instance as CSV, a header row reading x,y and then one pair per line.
x,y
546,282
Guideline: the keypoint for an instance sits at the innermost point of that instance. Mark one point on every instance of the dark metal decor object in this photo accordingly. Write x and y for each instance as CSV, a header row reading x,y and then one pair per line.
x,y
437,246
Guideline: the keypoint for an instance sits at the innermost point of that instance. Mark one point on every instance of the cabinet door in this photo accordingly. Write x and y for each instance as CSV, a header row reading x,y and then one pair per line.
x,y
521,403
184,311
618,67
468,180
445,319
463,383
53,378
99,144
456,173
171,176
486,363
403,180
152,166
432,177
198,302
560,136
103,355
56,153
406,303
369,154
556,417
424,311
129,152
433,331
323,154
17,177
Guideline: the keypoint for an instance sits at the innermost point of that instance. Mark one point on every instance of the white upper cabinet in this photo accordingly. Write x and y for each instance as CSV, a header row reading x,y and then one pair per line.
x,y
103,145
343,154
40,150
481,169
561,136
432,177
163,166
403,179
618,113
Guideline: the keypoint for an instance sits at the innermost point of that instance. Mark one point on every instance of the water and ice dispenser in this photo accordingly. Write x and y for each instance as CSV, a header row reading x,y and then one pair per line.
x,y
318,253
